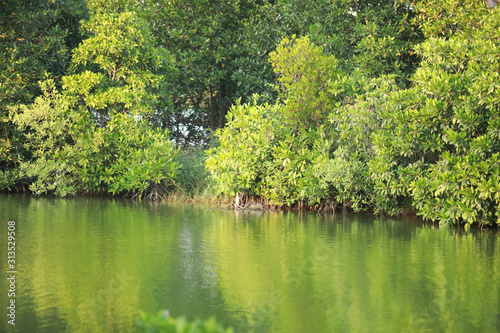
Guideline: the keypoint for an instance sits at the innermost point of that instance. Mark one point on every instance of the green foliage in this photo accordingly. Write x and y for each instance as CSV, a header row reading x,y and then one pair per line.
x,y
46,123
36,38
208,42
366,36
440,145
259,156
163,323
356,124
432,147
314,149
120,68
10,179
303,71
383,37
292,174
213,56
192,177
447,17
245,143
221,48
126,156
72,154
94,135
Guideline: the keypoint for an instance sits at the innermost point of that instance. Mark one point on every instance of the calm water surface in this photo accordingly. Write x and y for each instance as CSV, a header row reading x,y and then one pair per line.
x,y
90,265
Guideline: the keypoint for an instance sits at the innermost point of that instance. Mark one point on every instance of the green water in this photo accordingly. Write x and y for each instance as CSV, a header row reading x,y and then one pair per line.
x,y
90,265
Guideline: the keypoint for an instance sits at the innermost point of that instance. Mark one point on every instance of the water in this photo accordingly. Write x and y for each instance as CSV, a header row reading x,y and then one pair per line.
x,y
90,265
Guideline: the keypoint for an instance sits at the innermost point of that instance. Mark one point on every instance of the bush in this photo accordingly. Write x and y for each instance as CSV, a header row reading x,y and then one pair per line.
x,y
71,154
245,145
163,323
440,144
271,152
94,135
303,72
192,177
258,156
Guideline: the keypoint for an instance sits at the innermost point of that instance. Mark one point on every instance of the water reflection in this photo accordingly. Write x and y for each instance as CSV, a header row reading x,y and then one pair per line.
x,y
89,265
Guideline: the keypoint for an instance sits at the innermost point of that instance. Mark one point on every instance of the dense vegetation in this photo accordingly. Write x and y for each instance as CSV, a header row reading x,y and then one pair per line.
x,y
368,105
